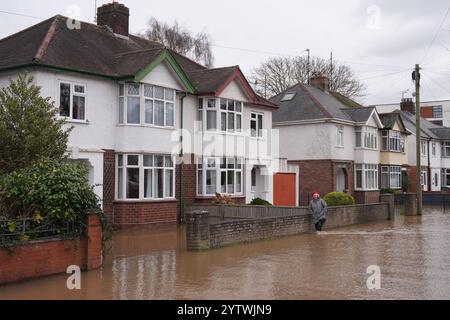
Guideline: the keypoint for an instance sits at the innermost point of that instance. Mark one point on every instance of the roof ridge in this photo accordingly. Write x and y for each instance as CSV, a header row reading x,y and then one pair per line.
x,y
47,39
186,57
316,102
213,69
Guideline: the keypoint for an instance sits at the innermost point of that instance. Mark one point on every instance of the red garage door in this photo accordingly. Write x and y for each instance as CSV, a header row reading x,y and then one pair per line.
x,y
284,189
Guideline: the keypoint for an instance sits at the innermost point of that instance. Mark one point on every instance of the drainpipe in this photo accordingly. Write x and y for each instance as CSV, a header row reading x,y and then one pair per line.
x,y
181,180
429,166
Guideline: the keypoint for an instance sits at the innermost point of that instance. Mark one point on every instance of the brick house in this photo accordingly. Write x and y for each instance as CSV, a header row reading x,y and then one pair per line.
x,y
159,130
333,140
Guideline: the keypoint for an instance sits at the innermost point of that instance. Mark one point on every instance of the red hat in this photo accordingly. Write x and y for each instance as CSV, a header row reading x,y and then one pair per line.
x,y
315,192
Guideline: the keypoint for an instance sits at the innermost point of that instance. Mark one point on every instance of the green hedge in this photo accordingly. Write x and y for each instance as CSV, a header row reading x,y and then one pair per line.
x,y
335,199
54,191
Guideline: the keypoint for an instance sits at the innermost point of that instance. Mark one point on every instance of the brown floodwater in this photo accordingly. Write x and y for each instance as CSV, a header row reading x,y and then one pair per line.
x,y
413,254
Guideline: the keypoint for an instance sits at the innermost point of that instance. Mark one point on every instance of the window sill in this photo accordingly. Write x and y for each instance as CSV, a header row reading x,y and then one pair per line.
x,y
145,200
366,149
209,197
74,121
367,190
339,147
145,126
237,134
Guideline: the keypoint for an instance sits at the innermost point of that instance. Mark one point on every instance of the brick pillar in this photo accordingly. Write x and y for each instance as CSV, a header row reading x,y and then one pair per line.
x,y
389,199
197,230
410,204
94,242
109,178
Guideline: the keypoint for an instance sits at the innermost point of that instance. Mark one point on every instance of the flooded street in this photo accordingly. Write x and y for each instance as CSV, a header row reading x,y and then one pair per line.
x,y
412,252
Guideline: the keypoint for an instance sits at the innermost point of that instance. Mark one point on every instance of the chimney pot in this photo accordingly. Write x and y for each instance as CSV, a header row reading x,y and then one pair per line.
x,y
408,105
116,16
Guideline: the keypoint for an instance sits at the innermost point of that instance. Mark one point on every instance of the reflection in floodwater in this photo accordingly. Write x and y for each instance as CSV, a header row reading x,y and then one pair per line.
x,y
152,263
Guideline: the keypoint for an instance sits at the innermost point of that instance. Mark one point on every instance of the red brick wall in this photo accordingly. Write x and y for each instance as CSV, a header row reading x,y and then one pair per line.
x,y
145,212
412,176
426,112
367,197
43,258
320,175
109,176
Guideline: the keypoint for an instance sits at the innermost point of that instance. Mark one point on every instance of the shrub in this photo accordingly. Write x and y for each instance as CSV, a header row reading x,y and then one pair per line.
x,y
29,128
334,199
260,202
220,199
388,190
48,190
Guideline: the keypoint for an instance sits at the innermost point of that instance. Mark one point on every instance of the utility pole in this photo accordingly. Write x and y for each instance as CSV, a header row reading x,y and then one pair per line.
x,y
416,78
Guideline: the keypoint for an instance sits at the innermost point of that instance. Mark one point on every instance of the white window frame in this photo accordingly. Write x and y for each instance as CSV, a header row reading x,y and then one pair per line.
x,y
433,149
445,149
445,176
424,178
255,117
204,107
394,177
72,94
340,136
142,168
203,167
369,137
423,148
368,172
142,108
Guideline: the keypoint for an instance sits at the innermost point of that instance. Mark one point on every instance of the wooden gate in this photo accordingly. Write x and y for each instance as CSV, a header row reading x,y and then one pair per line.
x,y
284,189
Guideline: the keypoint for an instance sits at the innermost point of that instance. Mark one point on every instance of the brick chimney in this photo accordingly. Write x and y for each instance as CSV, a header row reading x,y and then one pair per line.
x,y
408,105
320,81
116,16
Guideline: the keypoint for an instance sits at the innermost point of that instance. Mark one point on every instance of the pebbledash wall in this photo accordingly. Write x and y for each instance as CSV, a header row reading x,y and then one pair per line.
x,y
53,256
217,226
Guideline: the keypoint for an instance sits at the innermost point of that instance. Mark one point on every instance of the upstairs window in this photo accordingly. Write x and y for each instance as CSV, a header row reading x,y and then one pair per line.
x,y
393,141
224,115
72,100
145,104
256,125
446,149
366,137
437,112
423,148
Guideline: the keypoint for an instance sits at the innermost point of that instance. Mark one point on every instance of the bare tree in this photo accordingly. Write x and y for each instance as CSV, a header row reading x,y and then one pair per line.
x,y
197,47
277,74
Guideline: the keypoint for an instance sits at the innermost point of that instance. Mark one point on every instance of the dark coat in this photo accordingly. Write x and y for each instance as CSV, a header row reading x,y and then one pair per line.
x,y
318,209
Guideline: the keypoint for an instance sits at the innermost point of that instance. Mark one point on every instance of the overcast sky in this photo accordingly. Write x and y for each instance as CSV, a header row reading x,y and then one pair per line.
x,y
380,39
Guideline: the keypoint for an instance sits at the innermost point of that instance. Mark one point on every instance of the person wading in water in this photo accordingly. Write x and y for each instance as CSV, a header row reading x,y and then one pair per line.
x,y
318,208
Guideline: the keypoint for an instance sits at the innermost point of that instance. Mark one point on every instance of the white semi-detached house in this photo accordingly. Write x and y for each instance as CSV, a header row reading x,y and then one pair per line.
x,y
434,154
127,99
334,141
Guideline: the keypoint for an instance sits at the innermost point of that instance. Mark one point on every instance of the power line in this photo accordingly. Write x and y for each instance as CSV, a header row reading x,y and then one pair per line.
x,y
21,15
436,35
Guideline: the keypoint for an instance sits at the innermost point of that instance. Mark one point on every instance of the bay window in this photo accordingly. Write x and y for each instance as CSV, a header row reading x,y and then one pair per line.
x,y
219,175
225,112
145,176
366,177
146,104
391,177
393,141
72,100
366,137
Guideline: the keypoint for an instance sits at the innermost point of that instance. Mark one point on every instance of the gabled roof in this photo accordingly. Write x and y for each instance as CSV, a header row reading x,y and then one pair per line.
x,y
426,127
95,50
390,119
311,103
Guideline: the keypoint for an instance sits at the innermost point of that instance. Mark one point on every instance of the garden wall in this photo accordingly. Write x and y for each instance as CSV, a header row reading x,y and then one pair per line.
x,y
216,226
53,256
